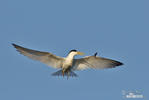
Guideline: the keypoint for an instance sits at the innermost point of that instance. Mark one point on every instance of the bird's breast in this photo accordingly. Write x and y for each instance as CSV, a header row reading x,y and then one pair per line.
x,y
67,63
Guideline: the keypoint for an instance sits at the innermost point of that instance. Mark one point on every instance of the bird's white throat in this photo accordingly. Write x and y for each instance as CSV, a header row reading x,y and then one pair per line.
x,y
71,55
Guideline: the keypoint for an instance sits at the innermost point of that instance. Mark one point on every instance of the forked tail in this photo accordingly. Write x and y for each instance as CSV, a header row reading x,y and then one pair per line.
x,y
67,73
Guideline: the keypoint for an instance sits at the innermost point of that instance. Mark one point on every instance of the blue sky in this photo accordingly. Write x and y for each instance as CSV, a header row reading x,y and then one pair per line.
x,y
117,29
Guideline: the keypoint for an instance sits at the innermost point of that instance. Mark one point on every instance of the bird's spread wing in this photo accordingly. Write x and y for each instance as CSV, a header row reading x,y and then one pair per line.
x,y
94,62
44,57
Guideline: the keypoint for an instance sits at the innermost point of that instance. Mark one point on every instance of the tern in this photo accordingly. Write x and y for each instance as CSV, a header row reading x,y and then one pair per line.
x,y
68,64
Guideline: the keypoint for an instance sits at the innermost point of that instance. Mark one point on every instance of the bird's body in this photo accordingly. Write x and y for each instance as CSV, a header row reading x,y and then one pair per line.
x,y
68,64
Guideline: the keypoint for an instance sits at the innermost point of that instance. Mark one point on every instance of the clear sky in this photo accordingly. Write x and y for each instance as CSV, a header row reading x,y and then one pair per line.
x,y
116,29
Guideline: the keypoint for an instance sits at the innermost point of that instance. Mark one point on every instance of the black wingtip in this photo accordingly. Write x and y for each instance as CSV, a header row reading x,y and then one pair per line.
x,y
95,54
13,44
16,46
119,64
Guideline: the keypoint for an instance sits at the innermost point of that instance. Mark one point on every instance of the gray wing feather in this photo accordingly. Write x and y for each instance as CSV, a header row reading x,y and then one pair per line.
x,y
94,62
44,57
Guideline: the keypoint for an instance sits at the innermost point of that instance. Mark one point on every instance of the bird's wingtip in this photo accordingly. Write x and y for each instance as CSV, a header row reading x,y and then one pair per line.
x,y
95,54
16,46
13,44
119,64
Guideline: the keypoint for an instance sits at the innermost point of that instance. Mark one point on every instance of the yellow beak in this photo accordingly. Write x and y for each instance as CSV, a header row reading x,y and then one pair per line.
x,y
80,53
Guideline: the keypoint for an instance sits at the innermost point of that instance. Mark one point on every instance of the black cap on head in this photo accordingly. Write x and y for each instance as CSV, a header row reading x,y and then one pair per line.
x,y
73,50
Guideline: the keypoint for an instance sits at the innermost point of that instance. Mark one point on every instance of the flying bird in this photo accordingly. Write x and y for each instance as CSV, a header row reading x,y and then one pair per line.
x,y
68,64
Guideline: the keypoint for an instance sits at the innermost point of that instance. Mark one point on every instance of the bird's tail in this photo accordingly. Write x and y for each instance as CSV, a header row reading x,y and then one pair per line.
x,y
67,73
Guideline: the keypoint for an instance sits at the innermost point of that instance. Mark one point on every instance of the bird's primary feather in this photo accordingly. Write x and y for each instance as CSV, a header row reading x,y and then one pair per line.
x,y
44,57
94,62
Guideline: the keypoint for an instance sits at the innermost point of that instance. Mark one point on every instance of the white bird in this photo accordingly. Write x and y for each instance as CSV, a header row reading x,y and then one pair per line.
x,y
69,64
